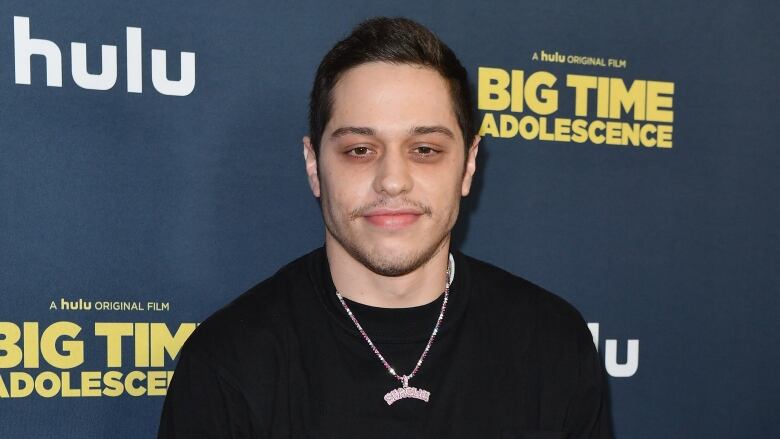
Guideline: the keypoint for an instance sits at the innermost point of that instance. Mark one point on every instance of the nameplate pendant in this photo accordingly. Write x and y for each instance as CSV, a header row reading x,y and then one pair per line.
x,y
406,391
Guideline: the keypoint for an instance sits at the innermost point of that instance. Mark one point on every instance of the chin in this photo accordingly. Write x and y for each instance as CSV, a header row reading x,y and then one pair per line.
x,y
392,266
389,259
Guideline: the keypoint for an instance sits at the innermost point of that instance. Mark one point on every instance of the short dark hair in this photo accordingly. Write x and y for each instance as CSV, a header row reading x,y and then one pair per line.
x,y
396,41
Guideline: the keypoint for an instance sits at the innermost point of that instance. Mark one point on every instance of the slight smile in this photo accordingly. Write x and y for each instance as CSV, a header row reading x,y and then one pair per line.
x,y
392,219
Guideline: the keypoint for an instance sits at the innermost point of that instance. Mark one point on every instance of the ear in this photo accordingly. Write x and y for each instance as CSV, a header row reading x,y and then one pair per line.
x,y
471,166
310,158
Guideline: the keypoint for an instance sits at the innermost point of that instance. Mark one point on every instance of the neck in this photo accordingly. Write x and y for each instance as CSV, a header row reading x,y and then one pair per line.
x,y
358,283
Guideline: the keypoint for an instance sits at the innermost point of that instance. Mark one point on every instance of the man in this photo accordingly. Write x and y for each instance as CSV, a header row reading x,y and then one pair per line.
x,y
386,331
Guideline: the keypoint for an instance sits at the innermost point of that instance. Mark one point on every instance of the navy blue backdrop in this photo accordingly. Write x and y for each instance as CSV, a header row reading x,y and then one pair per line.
x,y
142,190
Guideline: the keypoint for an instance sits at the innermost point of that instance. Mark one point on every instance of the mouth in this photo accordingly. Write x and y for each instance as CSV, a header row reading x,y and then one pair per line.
x,y
393,219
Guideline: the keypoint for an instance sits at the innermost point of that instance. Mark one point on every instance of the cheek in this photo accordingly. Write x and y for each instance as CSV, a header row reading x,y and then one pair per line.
x,y
343,193
443,192
443,181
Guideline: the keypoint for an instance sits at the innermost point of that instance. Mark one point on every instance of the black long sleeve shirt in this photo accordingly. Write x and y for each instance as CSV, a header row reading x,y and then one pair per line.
x,y
284,360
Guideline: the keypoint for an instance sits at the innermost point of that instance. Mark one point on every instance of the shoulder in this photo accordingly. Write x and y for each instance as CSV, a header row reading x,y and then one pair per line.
x,y
254,322
521,301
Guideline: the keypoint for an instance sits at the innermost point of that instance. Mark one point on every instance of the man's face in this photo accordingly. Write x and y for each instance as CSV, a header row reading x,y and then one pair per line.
x,y
391,166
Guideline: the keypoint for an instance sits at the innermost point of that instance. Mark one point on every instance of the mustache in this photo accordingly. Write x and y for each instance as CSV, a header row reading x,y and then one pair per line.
x,y
388,203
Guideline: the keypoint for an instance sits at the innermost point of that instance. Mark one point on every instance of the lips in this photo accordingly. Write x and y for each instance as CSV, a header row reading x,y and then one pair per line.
x,y
392,218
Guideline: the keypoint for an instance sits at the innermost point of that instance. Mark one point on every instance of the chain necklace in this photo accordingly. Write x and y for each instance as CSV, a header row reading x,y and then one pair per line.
x,y
407,391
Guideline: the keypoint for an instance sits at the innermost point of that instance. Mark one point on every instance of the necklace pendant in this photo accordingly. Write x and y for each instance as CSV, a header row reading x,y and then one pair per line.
x,y
406,392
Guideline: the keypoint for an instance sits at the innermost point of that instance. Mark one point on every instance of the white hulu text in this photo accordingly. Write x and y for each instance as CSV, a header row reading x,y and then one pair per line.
x,y
25,47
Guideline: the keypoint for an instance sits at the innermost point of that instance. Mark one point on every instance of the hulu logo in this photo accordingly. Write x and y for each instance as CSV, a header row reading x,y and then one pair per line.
x,y
25,47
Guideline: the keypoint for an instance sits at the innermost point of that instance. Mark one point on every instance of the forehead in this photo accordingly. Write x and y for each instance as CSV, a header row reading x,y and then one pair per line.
x,y
392,96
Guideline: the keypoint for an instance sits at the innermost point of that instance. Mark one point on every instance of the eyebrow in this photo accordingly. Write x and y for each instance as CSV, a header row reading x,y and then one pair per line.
x,y
433,130
366,131
361,131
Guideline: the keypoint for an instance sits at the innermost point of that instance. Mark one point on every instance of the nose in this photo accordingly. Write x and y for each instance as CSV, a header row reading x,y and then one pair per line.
x,y
393,174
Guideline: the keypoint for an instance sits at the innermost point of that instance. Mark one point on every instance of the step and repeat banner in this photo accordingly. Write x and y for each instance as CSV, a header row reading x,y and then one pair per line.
x,y
151,171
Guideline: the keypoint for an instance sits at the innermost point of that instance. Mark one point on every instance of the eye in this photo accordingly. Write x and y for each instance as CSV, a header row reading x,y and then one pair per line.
x,y
425,151
359,151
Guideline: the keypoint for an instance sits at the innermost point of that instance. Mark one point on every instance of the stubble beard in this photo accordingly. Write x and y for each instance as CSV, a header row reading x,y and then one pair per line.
x,y
371,258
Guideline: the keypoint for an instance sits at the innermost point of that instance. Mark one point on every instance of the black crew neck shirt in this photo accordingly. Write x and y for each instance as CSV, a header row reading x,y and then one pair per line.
x,y
284,360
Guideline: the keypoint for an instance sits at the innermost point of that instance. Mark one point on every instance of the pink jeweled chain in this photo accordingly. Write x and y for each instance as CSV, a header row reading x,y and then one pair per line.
x,y
412,391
